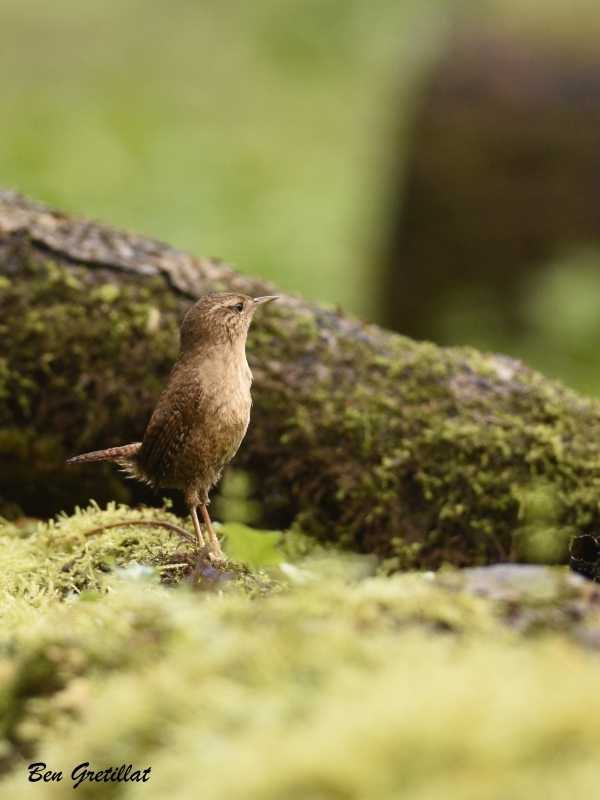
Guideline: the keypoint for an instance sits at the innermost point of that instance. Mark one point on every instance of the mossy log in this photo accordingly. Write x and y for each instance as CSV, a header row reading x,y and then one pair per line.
x,y
417,453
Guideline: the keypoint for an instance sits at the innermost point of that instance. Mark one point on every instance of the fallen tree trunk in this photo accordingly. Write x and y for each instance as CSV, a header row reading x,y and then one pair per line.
x,y
417,453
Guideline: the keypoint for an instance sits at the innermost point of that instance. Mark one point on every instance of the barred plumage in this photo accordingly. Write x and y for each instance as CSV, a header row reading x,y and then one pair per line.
x,y
121,455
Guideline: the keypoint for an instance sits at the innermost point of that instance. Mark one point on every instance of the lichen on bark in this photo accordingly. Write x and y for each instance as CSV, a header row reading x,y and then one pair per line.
x,y
420,454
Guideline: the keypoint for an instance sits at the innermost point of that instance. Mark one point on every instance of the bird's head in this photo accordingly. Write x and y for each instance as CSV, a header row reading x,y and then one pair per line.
x,y
216,318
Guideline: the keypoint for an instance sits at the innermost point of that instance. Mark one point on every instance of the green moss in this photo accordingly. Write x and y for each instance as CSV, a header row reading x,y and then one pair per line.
x,y
425,451
87,354
61,560
340,685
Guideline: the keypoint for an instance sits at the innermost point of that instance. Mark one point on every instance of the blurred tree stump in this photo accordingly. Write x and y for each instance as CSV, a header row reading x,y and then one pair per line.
x,y
504,175
366,438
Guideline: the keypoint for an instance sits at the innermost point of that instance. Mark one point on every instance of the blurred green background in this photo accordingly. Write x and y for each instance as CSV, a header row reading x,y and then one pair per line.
x,y
262,133
356,151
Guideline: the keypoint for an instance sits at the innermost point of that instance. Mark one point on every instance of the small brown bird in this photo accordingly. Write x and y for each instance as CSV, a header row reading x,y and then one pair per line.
x,y
204,411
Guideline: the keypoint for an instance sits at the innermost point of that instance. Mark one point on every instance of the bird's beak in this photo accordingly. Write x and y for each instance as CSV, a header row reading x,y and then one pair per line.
x,y
260,300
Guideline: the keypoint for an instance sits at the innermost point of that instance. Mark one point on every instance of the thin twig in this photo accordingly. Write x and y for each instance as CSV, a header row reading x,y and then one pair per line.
x,y
150,522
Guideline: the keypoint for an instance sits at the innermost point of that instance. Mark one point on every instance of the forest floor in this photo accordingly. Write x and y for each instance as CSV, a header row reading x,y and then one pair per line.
x,y
314,676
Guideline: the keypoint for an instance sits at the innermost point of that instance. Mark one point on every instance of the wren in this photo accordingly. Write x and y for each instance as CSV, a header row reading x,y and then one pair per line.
x,y
203,413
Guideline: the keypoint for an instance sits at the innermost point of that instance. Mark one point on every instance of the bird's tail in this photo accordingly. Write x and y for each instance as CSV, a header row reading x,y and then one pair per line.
x,y
122,455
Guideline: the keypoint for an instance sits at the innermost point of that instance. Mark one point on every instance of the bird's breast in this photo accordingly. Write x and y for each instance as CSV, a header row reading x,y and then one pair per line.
x,y
229,396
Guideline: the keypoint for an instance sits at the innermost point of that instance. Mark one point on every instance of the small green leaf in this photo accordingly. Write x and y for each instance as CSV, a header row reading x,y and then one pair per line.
x,y
256,548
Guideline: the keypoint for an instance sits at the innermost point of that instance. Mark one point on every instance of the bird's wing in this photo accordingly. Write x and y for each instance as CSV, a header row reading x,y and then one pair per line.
x,y
177,414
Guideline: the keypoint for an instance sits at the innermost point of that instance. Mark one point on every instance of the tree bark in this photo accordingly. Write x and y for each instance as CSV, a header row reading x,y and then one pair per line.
x,y
365,438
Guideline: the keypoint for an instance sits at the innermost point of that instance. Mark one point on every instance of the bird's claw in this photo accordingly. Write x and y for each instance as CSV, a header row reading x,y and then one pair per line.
x,y
217,555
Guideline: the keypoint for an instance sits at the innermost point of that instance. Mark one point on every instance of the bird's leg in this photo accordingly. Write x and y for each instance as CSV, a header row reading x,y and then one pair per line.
x,y
217,552
194,516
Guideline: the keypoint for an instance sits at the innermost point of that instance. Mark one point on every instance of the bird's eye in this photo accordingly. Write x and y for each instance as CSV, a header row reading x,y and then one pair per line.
x,y
239,306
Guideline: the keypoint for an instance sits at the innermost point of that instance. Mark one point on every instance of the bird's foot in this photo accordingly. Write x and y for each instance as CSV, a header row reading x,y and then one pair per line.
x,y
217,555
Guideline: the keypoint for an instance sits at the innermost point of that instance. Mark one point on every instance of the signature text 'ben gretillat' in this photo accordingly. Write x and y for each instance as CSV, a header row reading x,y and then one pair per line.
x,y
123,774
